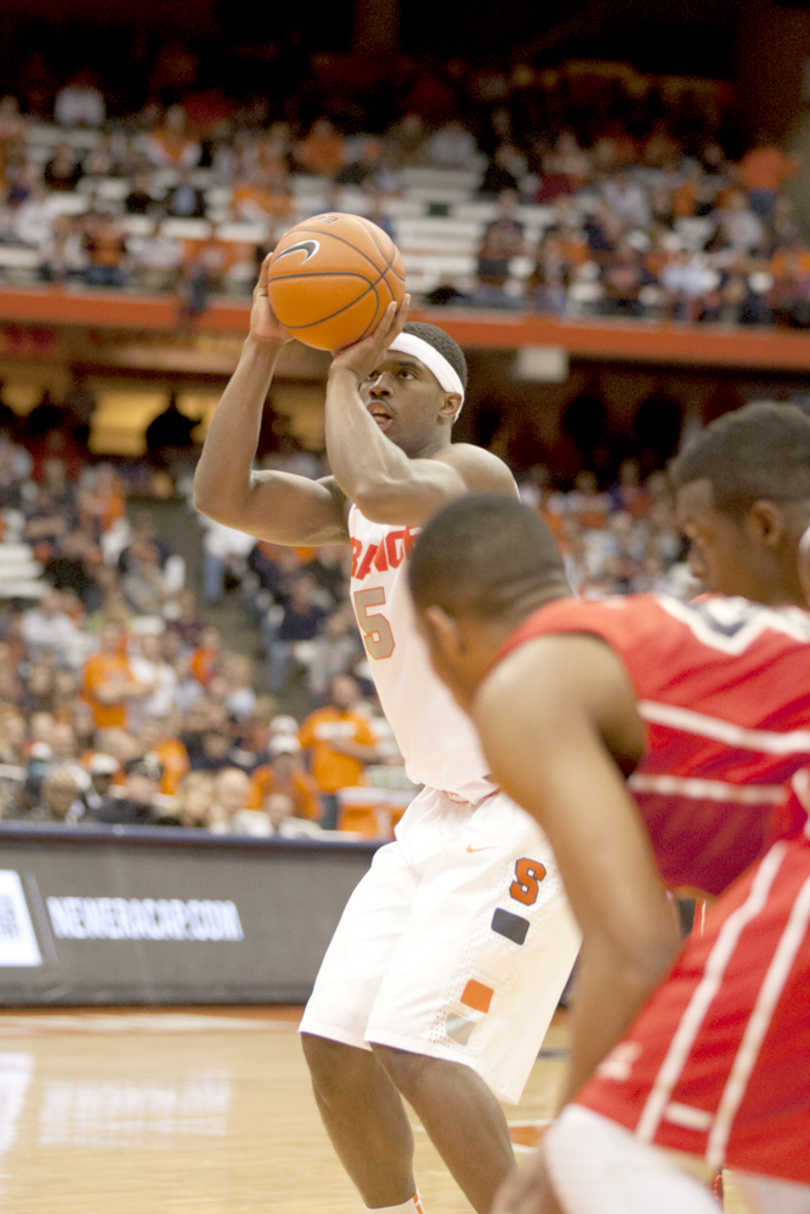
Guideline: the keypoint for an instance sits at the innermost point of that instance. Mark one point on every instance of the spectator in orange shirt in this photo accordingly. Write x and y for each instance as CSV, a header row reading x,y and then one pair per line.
x,y
763,171
158,738
322,150
341,744
108,680
105,503
205,661
263,197
283,774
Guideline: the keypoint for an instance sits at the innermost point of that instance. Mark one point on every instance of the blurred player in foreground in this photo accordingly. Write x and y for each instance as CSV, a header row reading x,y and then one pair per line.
x,y
708,706
452,953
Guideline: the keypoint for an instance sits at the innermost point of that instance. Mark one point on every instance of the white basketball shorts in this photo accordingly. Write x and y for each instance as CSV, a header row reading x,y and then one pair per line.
x,y
457,943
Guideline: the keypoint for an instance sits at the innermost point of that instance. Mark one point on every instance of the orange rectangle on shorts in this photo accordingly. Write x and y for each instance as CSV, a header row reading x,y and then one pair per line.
x,y
477,996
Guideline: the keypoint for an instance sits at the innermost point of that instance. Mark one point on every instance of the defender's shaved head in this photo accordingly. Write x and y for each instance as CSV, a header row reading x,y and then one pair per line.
x,y
759,453
486,555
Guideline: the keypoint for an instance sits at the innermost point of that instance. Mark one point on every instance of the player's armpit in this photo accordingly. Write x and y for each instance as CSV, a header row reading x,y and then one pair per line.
x,y
556,718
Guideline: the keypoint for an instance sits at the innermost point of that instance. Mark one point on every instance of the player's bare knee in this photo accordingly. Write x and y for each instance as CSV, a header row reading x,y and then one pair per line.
x,y
405,1070
333,1067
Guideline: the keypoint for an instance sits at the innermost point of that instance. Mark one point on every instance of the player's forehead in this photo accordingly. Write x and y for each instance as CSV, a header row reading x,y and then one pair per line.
x,y
394,361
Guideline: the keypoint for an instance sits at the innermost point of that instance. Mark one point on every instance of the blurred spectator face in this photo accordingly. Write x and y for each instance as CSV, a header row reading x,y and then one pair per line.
x,y
237,670
171,648
284,752
63,742
231,790
51,603
143,781
41,727
12,731
210,638
102,768
59,791
118,743
343,693
278,807
111,639
216,744
40,684
507,203
302,590
150,735
195,799
150,647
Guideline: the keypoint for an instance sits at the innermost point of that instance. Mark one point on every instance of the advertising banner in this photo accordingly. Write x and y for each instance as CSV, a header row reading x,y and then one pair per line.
x,y
133,915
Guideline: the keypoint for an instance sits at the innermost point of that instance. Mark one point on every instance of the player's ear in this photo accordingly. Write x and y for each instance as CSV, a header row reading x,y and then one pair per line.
x,y
450,405
766,522
441,632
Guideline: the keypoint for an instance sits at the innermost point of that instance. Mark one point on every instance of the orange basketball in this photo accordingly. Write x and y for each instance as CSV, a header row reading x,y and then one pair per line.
x,y
332,277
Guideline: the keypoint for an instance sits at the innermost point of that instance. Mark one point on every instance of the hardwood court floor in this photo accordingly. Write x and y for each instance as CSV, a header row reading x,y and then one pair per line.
x,y
190,1113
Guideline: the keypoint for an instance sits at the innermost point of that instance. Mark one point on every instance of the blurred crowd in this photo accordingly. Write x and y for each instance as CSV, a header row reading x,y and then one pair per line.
x,y
640,230
622,197
121,701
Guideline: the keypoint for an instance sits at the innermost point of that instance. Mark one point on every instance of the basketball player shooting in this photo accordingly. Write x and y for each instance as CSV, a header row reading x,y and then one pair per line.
x,y
705,708
452,953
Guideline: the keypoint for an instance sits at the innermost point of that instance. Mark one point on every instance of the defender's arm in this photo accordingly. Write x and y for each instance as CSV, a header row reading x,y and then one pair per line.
x,y
559,757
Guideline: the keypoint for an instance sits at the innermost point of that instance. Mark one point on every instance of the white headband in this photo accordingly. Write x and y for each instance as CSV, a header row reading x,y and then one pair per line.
x,y
434,360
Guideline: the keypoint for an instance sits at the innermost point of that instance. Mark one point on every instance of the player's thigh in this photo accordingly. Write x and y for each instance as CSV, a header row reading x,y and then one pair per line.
x,y
352,970
478,973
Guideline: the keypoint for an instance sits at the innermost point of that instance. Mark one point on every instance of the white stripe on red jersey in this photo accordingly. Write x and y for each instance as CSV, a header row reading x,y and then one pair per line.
x,y
723,686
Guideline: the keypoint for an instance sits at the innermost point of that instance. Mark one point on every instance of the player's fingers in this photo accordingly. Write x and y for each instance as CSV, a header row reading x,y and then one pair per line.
x,y
261,285
400,317
384,327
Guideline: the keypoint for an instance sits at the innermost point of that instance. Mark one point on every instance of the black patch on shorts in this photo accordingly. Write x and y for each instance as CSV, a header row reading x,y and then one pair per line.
x,y
514,927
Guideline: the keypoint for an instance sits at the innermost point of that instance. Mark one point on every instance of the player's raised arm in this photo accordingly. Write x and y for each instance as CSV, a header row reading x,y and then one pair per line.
x,y
557,758
275,506
390,405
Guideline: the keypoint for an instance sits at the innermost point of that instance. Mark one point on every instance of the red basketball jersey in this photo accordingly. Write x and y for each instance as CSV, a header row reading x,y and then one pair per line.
x,y
723,686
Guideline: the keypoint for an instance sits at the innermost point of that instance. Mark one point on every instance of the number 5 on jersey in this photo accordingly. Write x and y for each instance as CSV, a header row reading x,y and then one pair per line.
x,y
377,632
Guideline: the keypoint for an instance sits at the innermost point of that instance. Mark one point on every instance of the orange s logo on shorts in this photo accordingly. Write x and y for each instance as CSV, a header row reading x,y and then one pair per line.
x,y
526,885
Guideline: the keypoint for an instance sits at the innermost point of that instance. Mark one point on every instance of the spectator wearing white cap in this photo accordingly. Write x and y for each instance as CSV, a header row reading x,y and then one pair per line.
x,y
284,774
101,768
138,805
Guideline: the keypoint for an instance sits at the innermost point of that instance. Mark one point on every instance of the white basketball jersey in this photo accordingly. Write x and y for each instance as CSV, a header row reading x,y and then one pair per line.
x,y
437,739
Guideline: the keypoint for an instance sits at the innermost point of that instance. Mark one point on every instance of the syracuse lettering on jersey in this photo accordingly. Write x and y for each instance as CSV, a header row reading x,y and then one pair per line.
x,y
388,554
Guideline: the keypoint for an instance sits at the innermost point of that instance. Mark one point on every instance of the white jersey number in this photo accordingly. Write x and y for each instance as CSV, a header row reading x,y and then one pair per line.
x,y
377,632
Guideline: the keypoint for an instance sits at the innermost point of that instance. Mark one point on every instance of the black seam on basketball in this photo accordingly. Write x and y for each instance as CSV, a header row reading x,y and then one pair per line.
x,y
342,240
371,287
371,226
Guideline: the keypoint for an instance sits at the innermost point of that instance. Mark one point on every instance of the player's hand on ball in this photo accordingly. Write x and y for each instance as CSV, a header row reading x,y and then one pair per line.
x,y
365,355
527,1190
263,325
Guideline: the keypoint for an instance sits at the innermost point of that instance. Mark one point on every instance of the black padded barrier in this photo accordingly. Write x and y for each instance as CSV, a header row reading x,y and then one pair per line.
x,y
140,915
